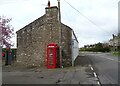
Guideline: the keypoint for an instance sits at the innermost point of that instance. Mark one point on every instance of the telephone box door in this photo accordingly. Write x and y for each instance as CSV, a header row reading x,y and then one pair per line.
x,y
51,55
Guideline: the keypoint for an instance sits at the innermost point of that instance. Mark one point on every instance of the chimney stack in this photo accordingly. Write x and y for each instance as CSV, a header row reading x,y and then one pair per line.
x,y
52,13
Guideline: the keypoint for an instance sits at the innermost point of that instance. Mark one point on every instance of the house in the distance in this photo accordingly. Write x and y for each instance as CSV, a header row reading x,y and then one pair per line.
x,y
32,40
115,42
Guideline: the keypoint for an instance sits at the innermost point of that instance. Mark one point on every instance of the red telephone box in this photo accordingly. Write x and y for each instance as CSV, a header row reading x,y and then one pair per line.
x,y
52,56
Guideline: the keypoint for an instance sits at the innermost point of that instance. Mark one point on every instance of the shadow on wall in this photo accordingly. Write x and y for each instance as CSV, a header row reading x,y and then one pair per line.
x,y
65,61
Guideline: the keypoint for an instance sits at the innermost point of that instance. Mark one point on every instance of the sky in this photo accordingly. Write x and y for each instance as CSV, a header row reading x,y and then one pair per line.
x,y
95,22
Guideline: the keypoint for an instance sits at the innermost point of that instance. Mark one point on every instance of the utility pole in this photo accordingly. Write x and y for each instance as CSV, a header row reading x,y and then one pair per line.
x,y
113,43
59,14
60,33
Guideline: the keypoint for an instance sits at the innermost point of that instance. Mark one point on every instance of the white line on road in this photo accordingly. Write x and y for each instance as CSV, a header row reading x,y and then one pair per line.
x,y
110,59
91,68
98,83
95,74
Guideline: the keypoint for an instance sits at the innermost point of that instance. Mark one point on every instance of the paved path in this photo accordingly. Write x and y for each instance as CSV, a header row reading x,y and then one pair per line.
x,y
80,74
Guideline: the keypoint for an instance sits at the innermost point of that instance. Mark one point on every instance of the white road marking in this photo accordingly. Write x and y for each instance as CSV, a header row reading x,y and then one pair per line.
x,y
91,68
113,59
110,59
95,74
98,83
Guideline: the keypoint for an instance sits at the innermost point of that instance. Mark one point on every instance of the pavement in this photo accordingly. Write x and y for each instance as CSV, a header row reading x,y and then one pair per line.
x,y
80,74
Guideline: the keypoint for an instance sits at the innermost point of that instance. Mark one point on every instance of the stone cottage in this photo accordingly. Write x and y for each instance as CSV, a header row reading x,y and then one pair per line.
x,y
32,40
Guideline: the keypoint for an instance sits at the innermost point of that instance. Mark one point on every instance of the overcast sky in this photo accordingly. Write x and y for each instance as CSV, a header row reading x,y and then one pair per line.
x,y
103,13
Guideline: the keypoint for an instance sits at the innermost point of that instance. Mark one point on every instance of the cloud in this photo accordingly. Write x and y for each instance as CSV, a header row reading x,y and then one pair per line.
x,y
104,15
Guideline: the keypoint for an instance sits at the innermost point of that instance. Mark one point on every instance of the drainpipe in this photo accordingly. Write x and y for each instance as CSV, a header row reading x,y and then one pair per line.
x,y
60,34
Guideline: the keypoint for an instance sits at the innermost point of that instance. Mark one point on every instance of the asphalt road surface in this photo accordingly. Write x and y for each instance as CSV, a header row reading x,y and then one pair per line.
x,y
105,65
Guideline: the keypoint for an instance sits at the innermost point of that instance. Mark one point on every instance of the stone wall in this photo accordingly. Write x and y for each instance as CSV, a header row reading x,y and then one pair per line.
x,y
32,40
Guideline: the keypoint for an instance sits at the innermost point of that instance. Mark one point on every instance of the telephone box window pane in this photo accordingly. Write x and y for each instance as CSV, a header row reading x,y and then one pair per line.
x,y
51,56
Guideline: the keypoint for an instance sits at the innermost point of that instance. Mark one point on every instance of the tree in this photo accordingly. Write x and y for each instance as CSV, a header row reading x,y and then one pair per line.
x,y
6,33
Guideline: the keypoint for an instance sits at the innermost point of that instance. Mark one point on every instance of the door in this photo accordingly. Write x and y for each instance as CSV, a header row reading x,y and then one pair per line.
x,y
51,57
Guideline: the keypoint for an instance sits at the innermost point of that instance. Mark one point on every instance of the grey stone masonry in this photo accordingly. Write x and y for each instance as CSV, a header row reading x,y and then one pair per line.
x,y
32,40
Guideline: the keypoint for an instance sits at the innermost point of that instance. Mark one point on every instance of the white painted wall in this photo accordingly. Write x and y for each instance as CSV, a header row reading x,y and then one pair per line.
x,y
75,48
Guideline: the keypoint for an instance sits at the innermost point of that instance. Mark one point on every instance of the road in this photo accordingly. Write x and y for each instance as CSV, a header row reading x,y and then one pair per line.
x,y
105,66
